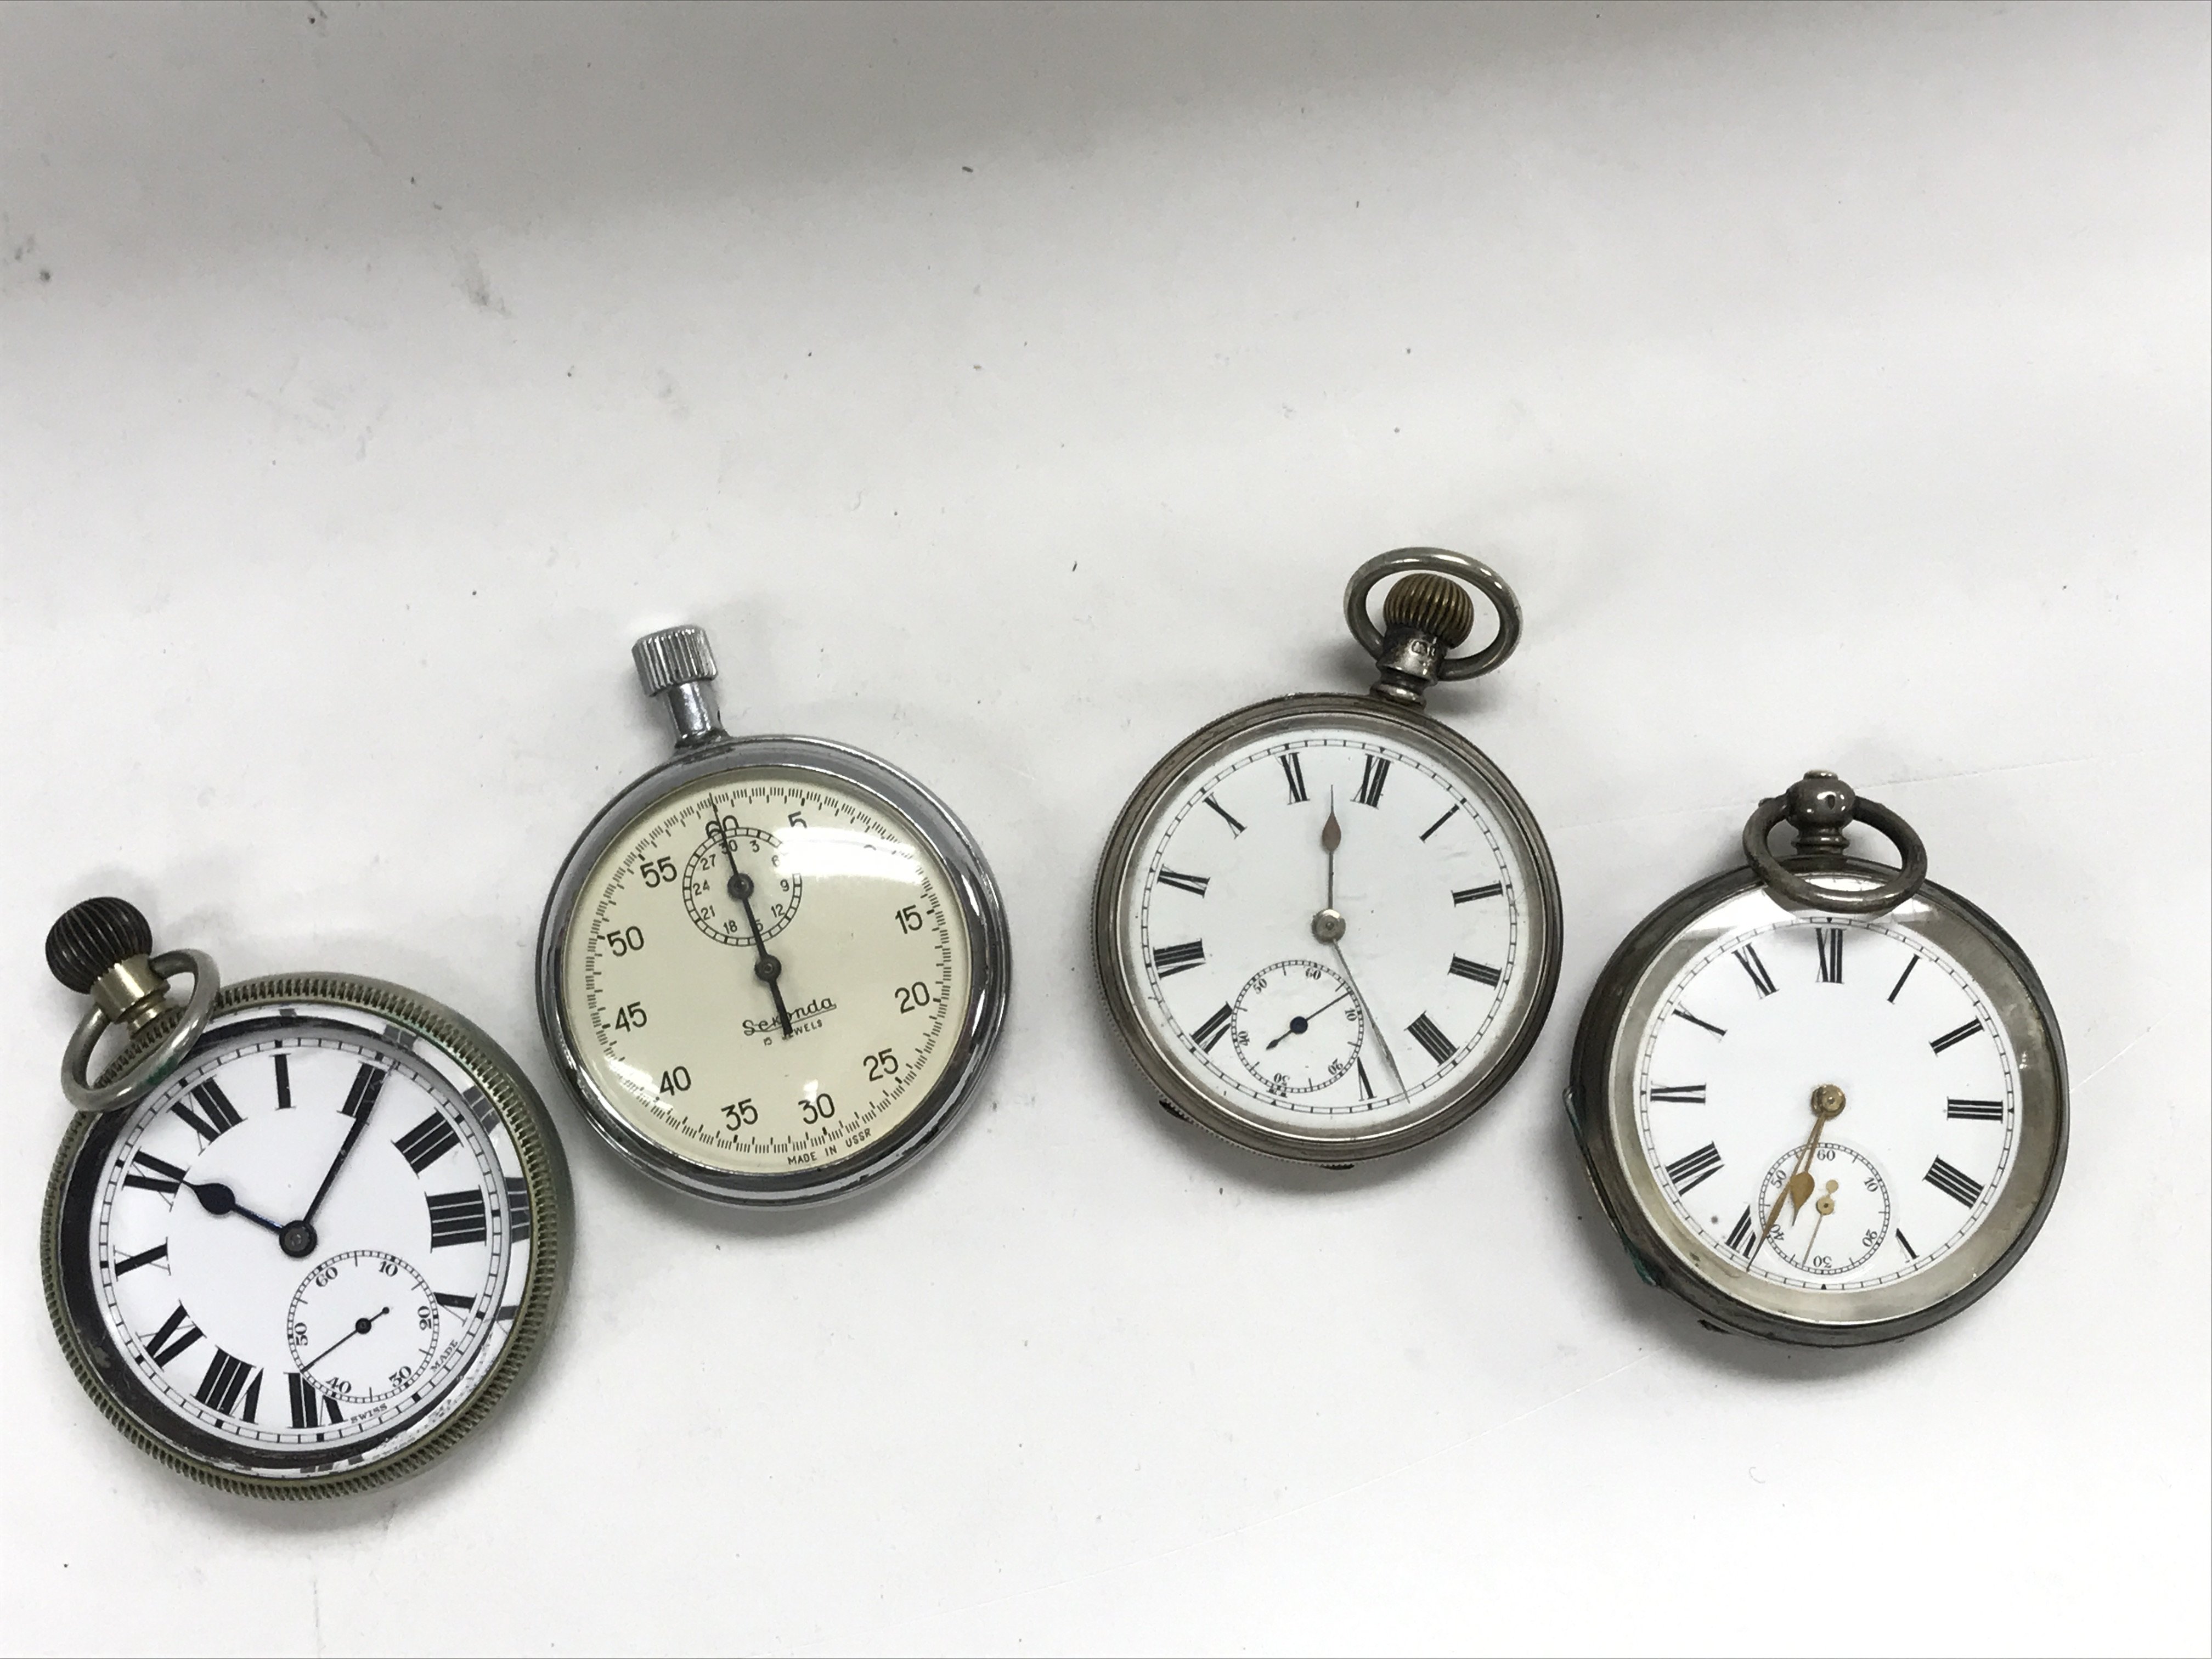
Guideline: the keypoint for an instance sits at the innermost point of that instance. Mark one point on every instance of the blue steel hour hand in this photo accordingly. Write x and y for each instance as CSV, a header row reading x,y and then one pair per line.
x,y
218,1199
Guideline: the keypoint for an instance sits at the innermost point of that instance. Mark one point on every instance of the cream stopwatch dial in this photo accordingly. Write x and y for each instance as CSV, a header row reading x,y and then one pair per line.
x,y
318,1249
774,966
1822,1101
1327,925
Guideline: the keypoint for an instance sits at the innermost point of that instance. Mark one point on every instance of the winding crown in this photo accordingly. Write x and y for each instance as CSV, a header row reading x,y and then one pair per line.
x,y
671,657
1436,605
91,938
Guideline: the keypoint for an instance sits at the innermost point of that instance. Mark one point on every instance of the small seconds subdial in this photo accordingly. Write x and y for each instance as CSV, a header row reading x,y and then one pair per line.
x,y
1297,1028
363,1327
1845,1215
1366,861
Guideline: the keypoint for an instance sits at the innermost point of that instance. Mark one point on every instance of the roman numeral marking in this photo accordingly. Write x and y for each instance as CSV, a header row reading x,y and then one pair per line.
x,y
1440,823
1950,1039
517,1209
220,1113
1980,1111
1740,1236
458,1304
1216,1027
1296,775
177,1333
1480,972
456,1218
1905,1244
1686,1171
310,1410
1366,1088
1172,959
284,1065
1372,773
1910,965
1197,884
428,1141
1440,1046
1829,941
1752,965
228,1377
1234,828
1702,1024
1468,894
165,1177
1681,1094
144,1258
361,1099
1954,1183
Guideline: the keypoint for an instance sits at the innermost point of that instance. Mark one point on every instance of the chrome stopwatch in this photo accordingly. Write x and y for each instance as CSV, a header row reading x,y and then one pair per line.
x,y
773,967
307,1232
1823,1101
1326,925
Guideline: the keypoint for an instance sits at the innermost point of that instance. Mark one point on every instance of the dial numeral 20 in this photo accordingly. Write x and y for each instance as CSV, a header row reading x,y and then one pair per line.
x,y
911,997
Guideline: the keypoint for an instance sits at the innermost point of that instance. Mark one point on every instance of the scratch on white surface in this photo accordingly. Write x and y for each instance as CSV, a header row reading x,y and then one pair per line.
x,y
2107,1065
1391,1473
315,1592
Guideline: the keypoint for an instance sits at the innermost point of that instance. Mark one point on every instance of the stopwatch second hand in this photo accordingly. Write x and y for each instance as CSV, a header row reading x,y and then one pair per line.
x,y
767,969
1373,1024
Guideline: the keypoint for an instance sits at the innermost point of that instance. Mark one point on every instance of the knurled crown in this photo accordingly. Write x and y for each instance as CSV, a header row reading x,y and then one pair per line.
x,y
673,656
91,938
1435,605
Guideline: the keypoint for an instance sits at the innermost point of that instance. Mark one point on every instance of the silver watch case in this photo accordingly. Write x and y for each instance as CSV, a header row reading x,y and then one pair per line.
x,y
975,891
1601,1102
1120,977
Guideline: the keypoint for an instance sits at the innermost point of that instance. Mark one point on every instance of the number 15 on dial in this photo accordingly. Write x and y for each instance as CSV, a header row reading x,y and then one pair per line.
x,y
773,967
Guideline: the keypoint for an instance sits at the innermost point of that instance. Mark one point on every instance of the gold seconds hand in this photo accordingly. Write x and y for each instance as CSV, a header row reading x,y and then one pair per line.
x,y
1827,1102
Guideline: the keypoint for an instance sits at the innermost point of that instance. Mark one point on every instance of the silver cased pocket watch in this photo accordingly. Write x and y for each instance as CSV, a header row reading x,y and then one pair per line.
x,y
1822,1101
1326,925
306,1232
773,968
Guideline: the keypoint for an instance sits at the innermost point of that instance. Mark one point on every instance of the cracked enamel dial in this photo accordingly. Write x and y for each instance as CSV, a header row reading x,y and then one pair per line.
x,y
662,981
1332,927
310,1254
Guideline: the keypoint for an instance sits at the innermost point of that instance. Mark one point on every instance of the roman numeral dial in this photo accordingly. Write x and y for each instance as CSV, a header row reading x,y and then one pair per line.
x,y
1330,929
1823,1101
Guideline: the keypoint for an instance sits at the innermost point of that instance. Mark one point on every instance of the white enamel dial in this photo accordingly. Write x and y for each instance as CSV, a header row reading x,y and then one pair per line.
x,y
766,972
306,1173
1902,1176
1343,983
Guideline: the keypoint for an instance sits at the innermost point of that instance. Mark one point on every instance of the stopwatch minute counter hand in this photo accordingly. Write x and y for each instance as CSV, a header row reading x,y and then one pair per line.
x,y
766,968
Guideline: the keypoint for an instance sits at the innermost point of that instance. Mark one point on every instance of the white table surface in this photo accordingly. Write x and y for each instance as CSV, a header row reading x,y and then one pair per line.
x,y
1011,391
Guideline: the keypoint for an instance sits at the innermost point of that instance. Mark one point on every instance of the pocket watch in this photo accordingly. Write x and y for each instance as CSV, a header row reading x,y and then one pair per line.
x,y
773,967
1326,925
306,1232
1822,1101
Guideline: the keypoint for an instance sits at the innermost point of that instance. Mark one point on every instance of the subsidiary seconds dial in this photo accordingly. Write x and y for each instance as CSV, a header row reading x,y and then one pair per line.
x,y
741,1025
